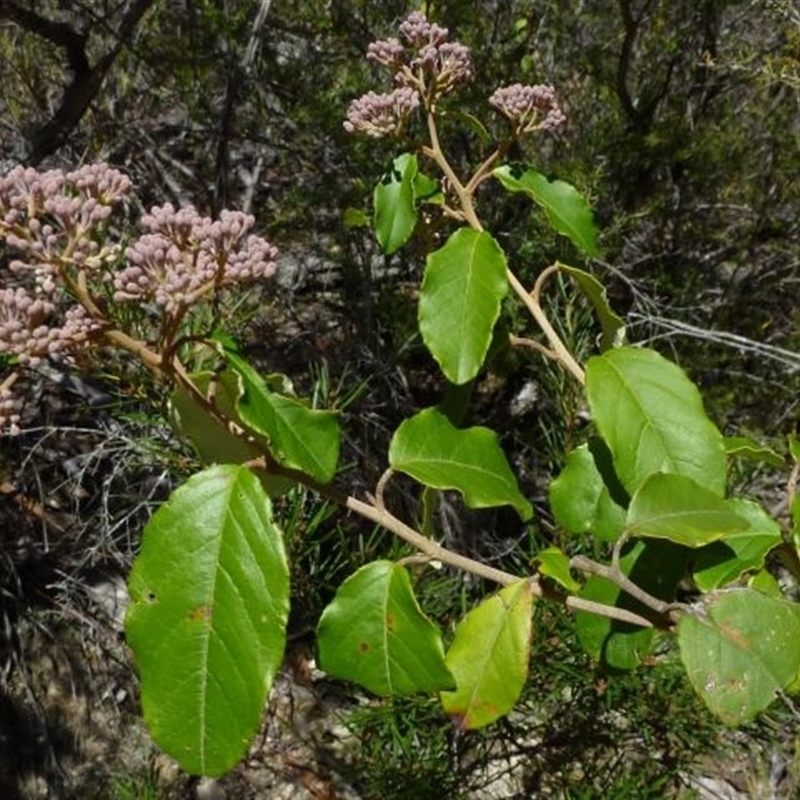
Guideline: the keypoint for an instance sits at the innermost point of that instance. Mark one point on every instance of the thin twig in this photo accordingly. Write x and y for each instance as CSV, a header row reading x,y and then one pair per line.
x,y
562,354
519,341
587,565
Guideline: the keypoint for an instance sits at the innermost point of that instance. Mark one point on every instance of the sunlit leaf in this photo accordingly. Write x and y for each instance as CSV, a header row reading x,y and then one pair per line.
x,y
727,560
566,209
651,417
207,620
373,633
740,650
554,564
489,658
431,450
677,508
464,284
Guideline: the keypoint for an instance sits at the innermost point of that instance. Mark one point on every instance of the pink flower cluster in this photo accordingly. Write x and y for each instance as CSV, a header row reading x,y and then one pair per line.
x,y
379,115
50,218
430,69
530,108
56,224
429,66
182,256
29,326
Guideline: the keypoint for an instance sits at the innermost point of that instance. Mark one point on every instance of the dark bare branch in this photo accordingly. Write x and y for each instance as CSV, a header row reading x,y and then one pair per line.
x,y
86,80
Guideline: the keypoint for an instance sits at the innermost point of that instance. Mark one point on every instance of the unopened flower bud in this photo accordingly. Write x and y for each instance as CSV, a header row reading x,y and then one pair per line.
x,y
530,108
379,115
387,52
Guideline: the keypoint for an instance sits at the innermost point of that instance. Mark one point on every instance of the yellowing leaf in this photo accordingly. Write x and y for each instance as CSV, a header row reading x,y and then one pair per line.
x,y
489,658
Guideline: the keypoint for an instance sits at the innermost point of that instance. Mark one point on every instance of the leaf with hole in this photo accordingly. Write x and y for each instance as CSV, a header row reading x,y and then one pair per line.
x,y
431,450
651,417
374,634
207,621
566,209
677,508
740,650
459,303
395,211
489,657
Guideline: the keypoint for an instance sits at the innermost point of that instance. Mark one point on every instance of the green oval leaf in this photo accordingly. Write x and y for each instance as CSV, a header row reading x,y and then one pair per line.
x,y
740,650
727,560
489,657
677,508
464,284
373,633
652,419
395,213
566,209
207,620
298,437
580,500
431,450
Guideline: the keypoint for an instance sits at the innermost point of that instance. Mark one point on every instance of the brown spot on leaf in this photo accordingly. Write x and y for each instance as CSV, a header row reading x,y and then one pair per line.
x,y
201,613
390,620
364,647
735,635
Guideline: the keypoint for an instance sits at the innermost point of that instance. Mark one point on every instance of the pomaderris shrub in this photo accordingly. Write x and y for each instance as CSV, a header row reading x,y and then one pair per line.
x,y
210,592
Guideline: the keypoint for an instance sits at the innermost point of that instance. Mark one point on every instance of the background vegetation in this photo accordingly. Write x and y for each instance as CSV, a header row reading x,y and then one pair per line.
x,y
684,132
